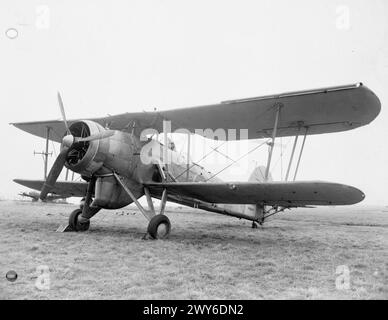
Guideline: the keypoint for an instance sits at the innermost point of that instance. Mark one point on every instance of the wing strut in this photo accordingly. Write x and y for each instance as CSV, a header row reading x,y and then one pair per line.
x,y
272,143
45,154
292,156
301,152
188,156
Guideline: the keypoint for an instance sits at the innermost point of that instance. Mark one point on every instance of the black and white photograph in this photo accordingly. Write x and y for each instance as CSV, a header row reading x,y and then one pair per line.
x,y
208,152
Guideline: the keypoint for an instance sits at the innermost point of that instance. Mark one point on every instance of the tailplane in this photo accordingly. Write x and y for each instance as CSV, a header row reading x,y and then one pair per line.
x,y
257,210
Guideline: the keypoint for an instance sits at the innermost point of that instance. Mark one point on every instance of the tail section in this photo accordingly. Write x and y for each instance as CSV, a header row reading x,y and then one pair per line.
x,y
256,211
258,175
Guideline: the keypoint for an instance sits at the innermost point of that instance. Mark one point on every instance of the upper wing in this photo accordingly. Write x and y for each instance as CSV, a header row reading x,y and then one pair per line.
x,y
322,111
63,188
286,194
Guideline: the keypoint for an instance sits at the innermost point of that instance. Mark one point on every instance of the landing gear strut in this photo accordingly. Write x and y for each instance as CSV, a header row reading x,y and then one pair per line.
x,y
159,226
79,219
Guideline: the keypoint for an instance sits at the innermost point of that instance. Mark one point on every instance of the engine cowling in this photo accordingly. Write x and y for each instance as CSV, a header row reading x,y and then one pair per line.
x,y
83,158
100,157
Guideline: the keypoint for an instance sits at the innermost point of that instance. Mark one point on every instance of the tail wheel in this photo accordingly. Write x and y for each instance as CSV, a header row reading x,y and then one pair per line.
x,y
77,225
159,227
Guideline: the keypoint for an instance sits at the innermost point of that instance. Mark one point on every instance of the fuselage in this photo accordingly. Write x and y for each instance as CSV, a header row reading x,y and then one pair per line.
x,y
141,161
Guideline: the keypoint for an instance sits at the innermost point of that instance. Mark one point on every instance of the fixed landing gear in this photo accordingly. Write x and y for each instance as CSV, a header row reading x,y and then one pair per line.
x,y
256,224
77,223
159,227
79,219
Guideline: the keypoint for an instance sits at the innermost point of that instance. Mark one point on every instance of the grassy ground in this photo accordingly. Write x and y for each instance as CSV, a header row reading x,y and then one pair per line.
x,y
294,256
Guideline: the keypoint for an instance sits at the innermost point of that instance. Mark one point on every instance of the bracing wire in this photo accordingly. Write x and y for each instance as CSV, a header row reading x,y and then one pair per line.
x,y
235,161
281,154
203,158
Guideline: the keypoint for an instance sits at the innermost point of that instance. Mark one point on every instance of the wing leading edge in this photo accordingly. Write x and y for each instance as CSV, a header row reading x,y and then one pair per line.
x,y
286,194
63,188
324,110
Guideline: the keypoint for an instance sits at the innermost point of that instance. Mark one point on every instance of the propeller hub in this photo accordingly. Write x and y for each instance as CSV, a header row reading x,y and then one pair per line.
x,y
68,141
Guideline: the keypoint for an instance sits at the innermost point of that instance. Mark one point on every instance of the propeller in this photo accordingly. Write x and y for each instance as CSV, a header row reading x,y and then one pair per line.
x,y
98,136
69,142
62,108
54,173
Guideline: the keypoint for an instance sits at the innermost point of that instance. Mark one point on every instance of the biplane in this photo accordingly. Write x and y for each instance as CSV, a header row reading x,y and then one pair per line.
x,y
107,153
35,196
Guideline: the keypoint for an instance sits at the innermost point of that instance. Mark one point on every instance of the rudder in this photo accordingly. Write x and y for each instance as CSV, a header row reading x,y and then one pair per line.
x,y
256,210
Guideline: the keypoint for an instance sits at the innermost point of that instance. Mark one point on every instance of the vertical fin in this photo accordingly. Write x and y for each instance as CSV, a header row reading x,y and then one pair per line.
x,y
256,210
258,175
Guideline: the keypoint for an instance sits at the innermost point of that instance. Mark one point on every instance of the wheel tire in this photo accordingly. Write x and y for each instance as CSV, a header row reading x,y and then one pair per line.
x,y
159,227
75,225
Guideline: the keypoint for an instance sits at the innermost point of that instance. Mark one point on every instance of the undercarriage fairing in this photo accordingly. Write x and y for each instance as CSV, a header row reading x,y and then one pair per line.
x,y
110,195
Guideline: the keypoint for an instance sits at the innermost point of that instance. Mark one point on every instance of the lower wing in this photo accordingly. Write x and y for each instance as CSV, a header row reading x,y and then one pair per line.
x,y
285,194
63,188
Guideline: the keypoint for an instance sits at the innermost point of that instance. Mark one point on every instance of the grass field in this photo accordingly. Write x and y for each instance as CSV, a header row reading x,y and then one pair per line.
x,y
208,256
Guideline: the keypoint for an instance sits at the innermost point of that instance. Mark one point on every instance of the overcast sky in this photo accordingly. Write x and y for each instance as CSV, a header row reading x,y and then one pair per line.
x,y
109,57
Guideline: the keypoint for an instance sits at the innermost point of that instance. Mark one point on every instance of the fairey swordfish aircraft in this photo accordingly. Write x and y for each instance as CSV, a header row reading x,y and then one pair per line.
x,y
109,154
35,196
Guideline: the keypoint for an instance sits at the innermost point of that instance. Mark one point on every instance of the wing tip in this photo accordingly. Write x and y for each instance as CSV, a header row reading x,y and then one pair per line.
x,y
373,100
350,195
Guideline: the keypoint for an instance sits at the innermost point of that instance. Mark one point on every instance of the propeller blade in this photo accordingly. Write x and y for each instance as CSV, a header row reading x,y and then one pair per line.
x,y
98,136
54,173
61,106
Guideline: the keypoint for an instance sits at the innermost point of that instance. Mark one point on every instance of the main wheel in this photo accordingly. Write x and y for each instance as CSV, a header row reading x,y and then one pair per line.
x,y
77,225
159,227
